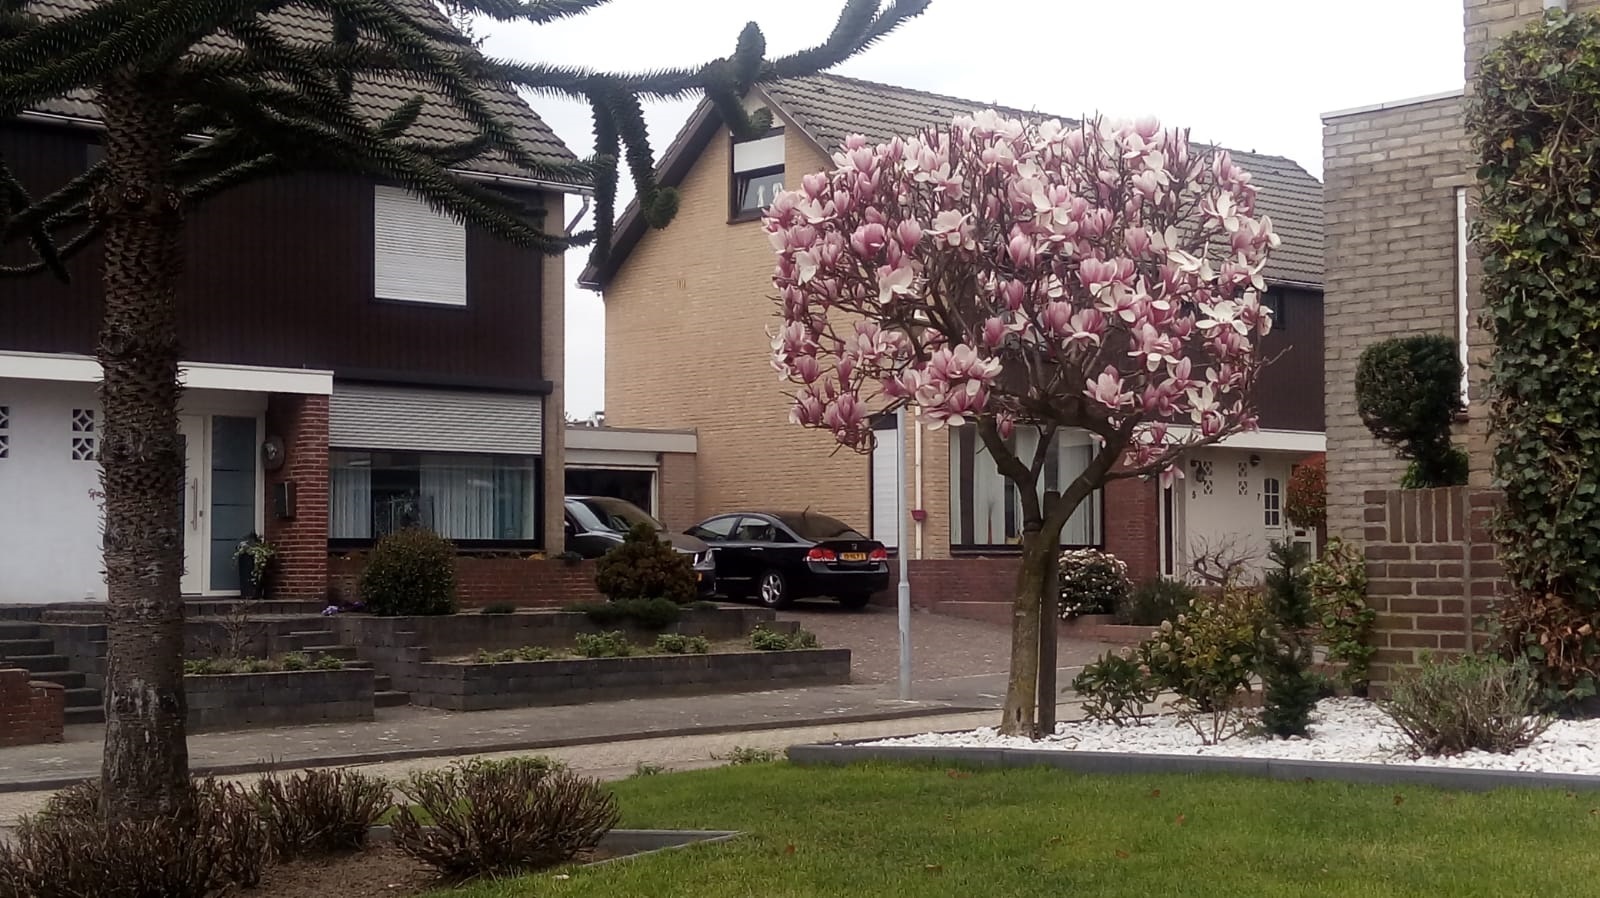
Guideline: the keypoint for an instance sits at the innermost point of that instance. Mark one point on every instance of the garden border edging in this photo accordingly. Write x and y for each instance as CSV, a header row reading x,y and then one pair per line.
x,y
1460,779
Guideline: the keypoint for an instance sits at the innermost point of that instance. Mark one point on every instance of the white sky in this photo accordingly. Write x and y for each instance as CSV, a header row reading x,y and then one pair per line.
x,y
1248,74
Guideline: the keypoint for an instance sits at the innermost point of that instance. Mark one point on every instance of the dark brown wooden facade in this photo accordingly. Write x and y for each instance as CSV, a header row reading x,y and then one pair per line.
x,y
1289,394
280,273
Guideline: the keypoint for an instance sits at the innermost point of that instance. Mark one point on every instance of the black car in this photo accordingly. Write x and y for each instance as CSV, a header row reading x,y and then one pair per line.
x,y
778,557
597,524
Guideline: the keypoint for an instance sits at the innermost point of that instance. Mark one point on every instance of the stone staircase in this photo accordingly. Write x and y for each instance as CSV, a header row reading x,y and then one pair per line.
x,y
21,645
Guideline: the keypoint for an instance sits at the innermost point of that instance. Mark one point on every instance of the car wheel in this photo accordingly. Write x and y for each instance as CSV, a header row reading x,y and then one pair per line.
x,y
773,589
855,602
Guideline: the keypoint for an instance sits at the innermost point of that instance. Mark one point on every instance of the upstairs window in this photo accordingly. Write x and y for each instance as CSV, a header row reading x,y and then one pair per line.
x,y
757,175
419,255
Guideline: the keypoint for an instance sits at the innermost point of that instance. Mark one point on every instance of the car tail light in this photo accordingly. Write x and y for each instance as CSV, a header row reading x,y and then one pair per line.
x,y
821,554
879,554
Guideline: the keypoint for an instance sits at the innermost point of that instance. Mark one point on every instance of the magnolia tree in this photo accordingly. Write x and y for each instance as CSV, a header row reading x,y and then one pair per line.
x,y
998,274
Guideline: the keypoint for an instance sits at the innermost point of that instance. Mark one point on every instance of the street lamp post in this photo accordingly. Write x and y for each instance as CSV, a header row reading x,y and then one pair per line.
x,y
903,551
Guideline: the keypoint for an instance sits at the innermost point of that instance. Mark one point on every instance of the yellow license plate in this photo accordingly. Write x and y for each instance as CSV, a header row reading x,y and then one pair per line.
x,y
854,556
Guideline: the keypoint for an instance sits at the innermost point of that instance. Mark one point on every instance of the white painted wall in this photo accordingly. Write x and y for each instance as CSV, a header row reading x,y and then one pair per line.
x,y
49,524
1231,510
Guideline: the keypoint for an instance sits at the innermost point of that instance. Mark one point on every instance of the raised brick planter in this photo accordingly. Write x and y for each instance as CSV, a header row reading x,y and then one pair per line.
x,y
1433,573
30,712
237,701
524,582
460,686
1104,628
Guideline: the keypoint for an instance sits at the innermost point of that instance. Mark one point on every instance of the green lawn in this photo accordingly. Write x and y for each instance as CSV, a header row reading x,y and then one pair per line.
x,y
917,831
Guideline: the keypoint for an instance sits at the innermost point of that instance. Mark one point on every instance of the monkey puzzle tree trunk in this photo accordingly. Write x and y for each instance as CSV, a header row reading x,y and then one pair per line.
x,y
145,765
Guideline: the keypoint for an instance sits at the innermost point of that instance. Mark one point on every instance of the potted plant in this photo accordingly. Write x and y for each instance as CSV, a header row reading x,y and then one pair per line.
x,y
254,555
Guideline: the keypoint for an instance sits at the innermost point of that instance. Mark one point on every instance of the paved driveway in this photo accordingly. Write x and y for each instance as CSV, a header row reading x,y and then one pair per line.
x,y
941,647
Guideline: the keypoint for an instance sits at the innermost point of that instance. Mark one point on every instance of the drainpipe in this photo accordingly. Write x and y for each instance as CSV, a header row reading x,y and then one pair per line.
x,y
920,518
584,209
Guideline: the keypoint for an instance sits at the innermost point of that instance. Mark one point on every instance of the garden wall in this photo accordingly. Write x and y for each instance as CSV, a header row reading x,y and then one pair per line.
x,y
233,701
1432,573
519,684
524,582
973,588
30,712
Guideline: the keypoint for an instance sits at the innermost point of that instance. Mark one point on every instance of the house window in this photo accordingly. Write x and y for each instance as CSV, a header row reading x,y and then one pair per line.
x,y
985,507
886,482
757,175
419,255
84,443
5,431
1272,502
1275,304
467,498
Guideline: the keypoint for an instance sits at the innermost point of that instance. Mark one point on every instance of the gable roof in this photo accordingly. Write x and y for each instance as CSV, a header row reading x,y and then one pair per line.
x,y
828,108
376,98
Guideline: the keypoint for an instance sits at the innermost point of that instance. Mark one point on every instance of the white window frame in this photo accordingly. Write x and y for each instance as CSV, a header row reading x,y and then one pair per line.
x,y
1463,319
1272,502
758,158
419,255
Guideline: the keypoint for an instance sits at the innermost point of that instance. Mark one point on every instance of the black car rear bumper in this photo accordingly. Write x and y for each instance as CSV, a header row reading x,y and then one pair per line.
x,y
823,579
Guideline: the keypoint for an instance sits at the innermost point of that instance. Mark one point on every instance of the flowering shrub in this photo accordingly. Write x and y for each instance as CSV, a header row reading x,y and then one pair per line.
x,y
1208,654
1338,582
1092,582
1305,503
1115,689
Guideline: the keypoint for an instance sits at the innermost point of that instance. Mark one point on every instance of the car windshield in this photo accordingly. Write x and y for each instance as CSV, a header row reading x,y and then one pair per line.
x,y
617,515
817,527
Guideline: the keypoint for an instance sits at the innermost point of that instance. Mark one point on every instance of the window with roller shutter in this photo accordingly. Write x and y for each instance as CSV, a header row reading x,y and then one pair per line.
x,y
419,255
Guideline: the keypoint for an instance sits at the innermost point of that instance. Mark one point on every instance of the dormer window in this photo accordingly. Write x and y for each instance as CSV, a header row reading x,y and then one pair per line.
x,y
757,175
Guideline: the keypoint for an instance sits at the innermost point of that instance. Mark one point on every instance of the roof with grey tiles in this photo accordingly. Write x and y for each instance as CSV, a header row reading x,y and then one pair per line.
x,y
829,108
438,123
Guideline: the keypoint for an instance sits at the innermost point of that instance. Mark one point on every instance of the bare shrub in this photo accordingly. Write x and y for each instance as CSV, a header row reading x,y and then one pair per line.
x,y
501,818
1466,704
321,811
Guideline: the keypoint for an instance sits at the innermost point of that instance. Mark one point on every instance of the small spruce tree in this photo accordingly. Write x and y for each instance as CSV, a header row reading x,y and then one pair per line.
x,y
1290,686
644,567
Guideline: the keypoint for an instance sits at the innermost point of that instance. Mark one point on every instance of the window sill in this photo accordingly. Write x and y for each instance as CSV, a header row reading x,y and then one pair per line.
x,y
744,217
979,551
463,547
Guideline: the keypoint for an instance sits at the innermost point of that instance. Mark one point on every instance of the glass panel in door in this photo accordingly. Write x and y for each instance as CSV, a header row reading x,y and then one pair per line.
x,y
191,432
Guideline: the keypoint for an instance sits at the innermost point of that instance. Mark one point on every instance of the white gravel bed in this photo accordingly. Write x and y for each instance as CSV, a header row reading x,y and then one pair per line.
x,y
1352,730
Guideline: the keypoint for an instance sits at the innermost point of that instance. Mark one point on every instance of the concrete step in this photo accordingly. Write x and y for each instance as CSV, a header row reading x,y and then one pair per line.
x,y
83,697
31,646
18,630
355,663
381,682
390,699
40,663
284,607
85,714
71,679
342,652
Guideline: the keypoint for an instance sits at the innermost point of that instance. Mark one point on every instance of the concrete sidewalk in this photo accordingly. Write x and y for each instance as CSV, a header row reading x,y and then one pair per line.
x,y
410,732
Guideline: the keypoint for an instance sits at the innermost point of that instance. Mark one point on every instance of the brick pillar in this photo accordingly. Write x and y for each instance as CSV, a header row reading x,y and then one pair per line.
x,y
30,712
1133,525
301,570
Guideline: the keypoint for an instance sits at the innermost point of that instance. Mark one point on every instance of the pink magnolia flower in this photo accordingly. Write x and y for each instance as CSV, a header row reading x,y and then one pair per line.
x,y
1107,390
1088,328
950,227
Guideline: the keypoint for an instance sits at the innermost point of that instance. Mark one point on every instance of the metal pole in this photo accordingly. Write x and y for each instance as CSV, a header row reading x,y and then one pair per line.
x,y
903,550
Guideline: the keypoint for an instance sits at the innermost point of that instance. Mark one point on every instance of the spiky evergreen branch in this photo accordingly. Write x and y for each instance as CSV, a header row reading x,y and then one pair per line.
x,y
234,73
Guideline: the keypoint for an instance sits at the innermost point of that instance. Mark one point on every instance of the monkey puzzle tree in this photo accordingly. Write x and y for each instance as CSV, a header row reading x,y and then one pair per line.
x,y
198,96
999,274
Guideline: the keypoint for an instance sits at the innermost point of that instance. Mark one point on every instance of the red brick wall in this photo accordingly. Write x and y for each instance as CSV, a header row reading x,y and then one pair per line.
x,y
1432,573
524,582
1133,526
301,567
30,712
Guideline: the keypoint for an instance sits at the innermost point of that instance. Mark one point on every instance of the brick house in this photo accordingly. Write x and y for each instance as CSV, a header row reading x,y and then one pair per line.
x,y
354,362
687,308
1397,205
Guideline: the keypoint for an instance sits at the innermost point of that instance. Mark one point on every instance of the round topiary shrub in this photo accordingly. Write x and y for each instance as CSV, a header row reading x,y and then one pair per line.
x,y
1092,582
410,572
644,567
1408,391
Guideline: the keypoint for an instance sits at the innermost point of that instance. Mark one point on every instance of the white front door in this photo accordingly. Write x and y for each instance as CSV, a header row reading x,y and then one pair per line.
x,y
192,430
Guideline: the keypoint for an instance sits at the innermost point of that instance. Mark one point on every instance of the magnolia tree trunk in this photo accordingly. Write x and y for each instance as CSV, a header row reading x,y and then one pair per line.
x,y
145,765
1039,548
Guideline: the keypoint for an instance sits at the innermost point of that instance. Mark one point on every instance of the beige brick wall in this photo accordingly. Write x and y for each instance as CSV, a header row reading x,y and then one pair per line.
x,y
1390,213
553,353
1487,21
686,332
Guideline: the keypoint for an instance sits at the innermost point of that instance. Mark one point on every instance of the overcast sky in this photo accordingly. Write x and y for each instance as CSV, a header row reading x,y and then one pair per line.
x,y
1249,74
